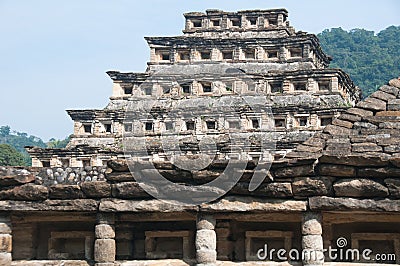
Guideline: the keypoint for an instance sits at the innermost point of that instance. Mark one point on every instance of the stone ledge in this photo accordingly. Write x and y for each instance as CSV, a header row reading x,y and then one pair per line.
x,y
118,205
352,264
260,263
250,204
50,205
350,204
50,263
177,262
165,262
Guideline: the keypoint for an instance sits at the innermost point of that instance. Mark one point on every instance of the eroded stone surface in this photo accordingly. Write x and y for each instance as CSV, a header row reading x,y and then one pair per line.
x,y
359,188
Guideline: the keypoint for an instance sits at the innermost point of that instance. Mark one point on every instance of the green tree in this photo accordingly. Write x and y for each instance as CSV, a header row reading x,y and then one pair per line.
x,y
370,59
19,140
10,156
57,143
4,131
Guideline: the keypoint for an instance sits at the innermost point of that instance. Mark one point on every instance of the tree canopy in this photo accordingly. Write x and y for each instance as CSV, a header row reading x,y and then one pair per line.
x,y
18,140
9,156
370,59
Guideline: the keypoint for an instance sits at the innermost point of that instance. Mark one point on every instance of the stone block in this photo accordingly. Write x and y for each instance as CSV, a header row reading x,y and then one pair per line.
x,y
270,190
28,192
205,222
350,204
206,239
365,126
395,83
243,204
65,192
104,250
395,160
337,170
96,189
104,231
206,256
379,172
50,205
313,242
311,224
5,243
350,117
394,187
275,190
394,105
384,96
373,104
338,131
388,113
5,228
342,123
392,148
120,176
14,180
118,165
306,148
313,257
357,160
365,147
301,170
311,186
390,125
359,188
129,190
5,259
390,89
359,112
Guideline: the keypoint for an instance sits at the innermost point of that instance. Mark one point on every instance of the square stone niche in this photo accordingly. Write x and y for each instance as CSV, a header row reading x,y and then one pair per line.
x,y
167,244
379,243
71,245
256,240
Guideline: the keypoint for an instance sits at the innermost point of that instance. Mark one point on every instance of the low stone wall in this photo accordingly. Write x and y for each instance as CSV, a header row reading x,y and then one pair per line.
x,y
354,176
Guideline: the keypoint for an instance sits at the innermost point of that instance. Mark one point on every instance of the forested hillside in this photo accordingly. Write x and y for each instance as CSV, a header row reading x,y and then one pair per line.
x,y
18,140
370,59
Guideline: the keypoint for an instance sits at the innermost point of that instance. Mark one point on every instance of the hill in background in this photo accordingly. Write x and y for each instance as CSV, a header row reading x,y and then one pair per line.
x,y
370,59
18,140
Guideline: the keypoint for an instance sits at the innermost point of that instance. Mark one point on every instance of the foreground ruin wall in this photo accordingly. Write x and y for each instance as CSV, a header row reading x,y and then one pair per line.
x,y
341,183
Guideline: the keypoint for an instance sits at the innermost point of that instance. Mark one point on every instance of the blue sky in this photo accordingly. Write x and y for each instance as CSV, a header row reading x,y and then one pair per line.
x,y
54,54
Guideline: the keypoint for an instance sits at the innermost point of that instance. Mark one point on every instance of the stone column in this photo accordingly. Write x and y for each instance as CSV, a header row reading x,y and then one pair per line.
x,y
306,51
5,240
104,245
237,53
153,56
312,242
225,245
335,84
224,22
260,53
206,241
280,19
261,23
283,54
286,86
215,54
